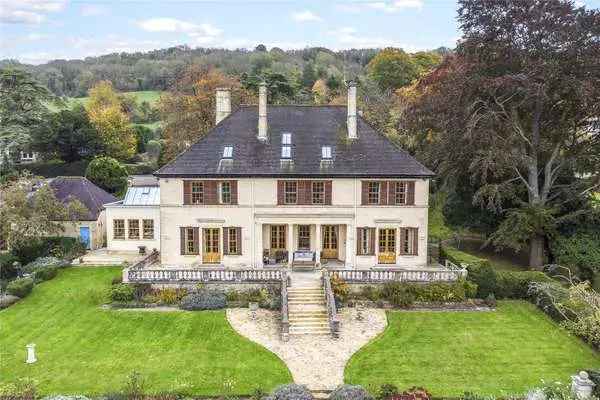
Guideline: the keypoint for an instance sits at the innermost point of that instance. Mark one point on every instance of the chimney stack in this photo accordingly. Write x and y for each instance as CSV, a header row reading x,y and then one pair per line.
x,y
223,102
351,122
262,111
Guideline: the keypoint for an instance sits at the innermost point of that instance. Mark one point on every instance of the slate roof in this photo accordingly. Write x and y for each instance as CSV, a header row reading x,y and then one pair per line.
x,y
371,155
67,187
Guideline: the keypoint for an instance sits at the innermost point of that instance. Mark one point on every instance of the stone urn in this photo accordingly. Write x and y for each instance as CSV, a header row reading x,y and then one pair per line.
x,y
253,307
582,386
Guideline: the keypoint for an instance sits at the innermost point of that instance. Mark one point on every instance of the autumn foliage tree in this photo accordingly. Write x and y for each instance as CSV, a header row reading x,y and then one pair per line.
x,y
106,113
517,107
188,109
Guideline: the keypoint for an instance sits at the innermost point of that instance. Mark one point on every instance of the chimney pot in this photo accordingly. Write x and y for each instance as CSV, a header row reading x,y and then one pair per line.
x,y
223,104
262,111
351,122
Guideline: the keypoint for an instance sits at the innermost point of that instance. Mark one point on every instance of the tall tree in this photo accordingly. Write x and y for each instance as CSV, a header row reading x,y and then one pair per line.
x,y
188,109
392,69
517,106
22,107
68,135
105,110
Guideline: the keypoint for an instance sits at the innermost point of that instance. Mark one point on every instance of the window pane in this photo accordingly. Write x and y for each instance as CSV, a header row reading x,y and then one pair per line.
x,y
326,152
134,228
148,229
290,192
286,152
227,151
225,192
119,229
318,192
373,193
400,195
286,138
197,193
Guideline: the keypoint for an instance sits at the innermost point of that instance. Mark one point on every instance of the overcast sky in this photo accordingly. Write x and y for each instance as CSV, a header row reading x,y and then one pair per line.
x,y
35,31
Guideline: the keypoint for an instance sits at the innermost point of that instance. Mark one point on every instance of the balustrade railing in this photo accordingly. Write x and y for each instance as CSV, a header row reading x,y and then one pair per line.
x,y
285,317
399,275
334,320
168,275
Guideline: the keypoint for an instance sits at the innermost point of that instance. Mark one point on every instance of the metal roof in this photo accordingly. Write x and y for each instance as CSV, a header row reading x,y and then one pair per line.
x,y
142,196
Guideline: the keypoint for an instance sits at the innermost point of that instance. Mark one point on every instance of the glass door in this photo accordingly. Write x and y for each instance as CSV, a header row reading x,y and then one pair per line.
x,y
303,237
330,241
211,254
387,246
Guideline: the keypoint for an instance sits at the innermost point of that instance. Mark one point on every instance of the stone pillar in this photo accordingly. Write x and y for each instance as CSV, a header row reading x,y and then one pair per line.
x,y
30,354
290,243
318,244
350,247
258,245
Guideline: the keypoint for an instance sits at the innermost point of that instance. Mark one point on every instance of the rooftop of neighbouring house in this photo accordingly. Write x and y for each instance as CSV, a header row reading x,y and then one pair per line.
x,y
303,141
93,197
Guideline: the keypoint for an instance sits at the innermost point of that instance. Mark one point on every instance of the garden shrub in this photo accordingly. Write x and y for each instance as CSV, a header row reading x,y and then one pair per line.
x,y
291,391
414,393
140,290
386,391
61,247
21,389
340,289
579,252
7,269
107,173
371,293
170,296
116,280
20,287
399,294
595,377
503,284
121,293
43,263
45,274
204,300
350,392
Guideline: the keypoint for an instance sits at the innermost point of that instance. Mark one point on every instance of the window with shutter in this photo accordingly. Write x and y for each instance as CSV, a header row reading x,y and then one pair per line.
x,y
409,240
373,192
318,192
290,192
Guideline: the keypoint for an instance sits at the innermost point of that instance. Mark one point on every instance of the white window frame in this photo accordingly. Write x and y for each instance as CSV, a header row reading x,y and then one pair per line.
x,y
286,138
326,152
228,152
286,152
222,185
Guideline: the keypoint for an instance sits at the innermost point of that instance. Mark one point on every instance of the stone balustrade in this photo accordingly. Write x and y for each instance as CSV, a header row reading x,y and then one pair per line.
x,y
217,275
441,274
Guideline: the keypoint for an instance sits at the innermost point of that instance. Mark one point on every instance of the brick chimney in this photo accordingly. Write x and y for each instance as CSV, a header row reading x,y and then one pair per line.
x,y
223,103
262,111
351,122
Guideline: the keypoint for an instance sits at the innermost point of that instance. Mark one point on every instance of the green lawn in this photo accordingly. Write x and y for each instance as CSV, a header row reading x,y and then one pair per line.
x,y
84,349
151,96
492,353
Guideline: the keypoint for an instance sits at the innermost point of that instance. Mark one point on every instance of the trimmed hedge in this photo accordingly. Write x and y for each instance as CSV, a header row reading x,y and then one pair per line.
x,y
45,274
204,300
20,287
502,284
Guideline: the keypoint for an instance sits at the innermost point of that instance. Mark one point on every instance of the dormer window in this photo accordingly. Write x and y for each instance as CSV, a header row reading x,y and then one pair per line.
x,y
326,152
228,152
286,151
286,138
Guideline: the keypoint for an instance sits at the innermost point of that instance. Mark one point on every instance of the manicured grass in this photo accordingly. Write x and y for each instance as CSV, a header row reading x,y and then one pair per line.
x,y
493,353
82,348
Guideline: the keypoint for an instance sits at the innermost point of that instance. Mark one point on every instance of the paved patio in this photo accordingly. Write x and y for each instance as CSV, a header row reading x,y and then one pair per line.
x,y
107,257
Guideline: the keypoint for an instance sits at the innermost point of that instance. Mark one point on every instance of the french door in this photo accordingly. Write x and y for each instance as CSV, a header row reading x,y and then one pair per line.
x,y
303,237
330,241
210,253
278,234
387,246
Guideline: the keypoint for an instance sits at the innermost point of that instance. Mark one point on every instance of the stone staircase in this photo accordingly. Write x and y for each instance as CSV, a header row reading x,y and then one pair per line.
x,y
307,311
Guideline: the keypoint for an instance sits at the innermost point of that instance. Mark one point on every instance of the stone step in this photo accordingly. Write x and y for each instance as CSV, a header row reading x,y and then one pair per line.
x,y
306,302
311,291
315,325
309,331
308,320
308,313
295,317
306,297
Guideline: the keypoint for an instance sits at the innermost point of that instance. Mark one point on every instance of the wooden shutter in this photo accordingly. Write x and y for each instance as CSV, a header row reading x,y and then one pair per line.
x,y
280,192
372,241
196,240
410,195
364,193
383,192
210,192
358,241
328,193
391,198
402,241
187,192
226,241
234,192
182,241
301,192
238,235
415,233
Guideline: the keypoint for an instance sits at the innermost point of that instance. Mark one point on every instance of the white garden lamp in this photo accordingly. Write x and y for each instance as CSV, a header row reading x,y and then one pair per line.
x,y
582,386
31,354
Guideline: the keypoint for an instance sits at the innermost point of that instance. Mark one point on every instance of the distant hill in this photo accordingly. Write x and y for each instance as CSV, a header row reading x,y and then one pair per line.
x,y
156,70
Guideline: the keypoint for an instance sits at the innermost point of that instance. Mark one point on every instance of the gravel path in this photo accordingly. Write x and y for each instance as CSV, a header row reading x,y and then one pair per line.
x,y
315,361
